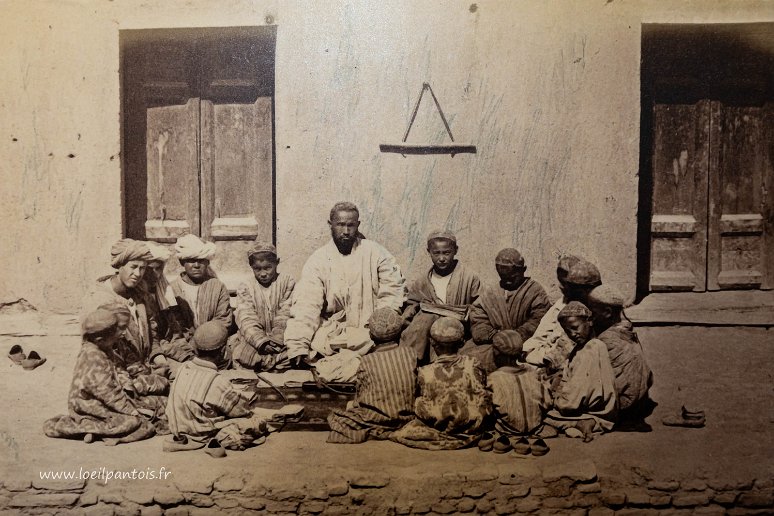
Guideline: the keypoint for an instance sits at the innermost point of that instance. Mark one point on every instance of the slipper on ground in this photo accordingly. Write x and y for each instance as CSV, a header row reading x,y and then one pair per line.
x,y
32,361
16,354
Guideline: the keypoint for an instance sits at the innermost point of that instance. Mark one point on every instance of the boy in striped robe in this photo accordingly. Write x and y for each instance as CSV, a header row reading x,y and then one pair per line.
x,y
508,313
262,312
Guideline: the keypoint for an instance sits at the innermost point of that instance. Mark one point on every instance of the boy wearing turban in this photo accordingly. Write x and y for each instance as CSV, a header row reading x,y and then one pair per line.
x,y
201,296
130,258
262,311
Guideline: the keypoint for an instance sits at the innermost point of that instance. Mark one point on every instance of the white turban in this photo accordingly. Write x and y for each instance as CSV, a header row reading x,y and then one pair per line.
x,y
190,247
160,253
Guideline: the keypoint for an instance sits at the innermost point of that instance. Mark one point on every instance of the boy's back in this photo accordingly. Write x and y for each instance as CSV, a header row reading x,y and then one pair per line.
x,y
520,399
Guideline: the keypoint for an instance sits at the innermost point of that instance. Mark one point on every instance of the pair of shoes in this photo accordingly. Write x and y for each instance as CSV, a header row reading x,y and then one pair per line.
x,y
28,362
687,419
492,441
538,447
214,449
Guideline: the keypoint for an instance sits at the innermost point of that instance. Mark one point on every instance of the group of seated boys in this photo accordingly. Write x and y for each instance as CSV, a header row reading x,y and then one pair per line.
x,y
461,364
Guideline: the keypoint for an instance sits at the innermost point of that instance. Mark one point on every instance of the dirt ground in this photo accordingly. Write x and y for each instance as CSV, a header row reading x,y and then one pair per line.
x,y
727,372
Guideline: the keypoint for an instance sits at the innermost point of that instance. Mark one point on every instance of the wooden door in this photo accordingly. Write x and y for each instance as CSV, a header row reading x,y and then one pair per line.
x,y
236,158
679,223
198,136
741,216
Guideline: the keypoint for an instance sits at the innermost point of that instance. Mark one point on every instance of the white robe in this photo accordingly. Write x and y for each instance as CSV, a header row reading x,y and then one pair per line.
x,y
356,284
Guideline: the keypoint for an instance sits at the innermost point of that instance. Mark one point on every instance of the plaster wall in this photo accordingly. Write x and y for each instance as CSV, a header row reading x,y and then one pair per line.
x,y
548,92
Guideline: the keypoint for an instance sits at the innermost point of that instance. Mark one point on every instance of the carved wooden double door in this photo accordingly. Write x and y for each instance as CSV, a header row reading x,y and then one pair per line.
x,y
198,139
712,224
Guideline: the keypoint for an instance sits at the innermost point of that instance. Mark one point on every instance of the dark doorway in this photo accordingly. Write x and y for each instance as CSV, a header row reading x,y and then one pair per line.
x,y
706,217
198,136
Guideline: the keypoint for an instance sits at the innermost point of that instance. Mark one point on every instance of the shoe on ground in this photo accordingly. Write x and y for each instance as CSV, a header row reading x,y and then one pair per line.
x,y
32,361
16,354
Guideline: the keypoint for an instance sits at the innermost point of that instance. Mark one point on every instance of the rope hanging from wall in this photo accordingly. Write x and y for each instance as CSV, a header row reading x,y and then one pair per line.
x,y
407,148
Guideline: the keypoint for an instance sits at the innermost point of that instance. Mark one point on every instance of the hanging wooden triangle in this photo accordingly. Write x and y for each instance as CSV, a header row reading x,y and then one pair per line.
x,y
408,148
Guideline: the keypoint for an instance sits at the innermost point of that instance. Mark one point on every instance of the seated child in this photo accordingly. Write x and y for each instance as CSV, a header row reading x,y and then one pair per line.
x,y
262,311
510,310
633,377
386,385
453,403
200,295
97,405
585,402
520,399
203,404
146,385
446,289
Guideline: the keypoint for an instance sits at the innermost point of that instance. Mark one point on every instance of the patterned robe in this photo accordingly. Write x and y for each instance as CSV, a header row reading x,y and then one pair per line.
x,y
142,332
452,408
356,284
97,403
516,311
424,306
261,316
633,377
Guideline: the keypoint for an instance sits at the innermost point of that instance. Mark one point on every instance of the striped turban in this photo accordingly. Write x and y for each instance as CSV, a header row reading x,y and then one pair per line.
x,y
126,250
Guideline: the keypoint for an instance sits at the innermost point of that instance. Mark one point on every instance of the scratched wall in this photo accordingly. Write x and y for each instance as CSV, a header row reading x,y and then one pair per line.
x,y
549,94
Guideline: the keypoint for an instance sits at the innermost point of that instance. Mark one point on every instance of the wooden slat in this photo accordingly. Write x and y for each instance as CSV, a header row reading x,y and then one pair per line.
x,y
678,224
714,207
767,202
748,223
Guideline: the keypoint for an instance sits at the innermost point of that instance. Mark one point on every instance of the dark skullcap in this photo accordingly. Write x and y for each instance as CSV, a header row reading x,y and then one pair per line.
x,y
584,274
508,342
98,321
563,267
509,256
210,336
607,295
574,309
126,250
260,247
447,329
385,324
442,234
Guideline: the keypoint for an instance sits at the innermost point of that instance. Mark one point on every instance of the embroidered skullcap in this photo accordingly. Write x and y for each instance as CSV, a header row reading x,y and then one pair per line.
x,y
607,295
126,250
563,267
191,247
447,329
260,247
584,273
98,321
509,256
574,309
159,252
442,234
210,336
508,342
385,324
116,308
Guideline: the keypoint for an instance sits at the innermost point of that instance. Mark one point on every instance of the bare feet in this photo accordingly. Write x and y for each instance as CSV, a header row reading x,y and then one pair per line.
x,y
587,427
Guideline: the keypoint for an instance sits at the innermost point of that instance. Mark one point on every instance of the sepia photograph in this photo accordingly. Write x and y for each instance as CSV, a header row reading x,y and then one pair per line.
x,y
355,257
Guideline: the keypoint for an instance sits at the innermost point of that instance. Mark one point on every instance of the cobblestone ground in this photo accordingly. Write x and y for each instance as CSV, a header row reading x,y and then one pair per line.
x,y
725,468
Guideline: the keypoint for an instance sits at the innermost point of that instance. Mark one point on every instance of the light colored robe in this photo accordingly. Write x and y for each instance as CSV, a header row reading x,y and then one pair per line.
x,y
586,389
549,340
356,284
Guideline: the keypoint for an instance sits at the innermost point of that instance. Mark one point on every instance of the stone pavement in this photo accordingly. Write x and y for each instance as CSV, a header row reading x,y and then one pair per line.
x,y
725,468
